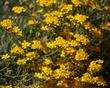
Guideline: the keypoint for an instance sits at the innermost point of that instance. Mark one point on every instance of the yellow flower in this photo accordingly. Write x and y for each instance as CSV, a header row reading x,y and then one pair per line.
x,y
30,55
95,66
49,20
62,83
59,41
47,70
78,17
73,43
99,81
81,55
93,80
93,30
21,62
42,75
16,30
40,10
86,77
53,17
36,44
43,28
62,72
65,8
67,51
25,44
87,2
76,2
6,23
47,61
51,45
32,22
105,26
82,38
33,14
95,6
17,49
107,7
6,56
18,9
39,75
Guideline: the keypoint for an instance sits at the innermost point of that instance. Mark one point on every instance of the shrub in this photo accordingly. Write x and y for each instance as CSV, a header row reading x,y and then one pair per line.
x,y
54,43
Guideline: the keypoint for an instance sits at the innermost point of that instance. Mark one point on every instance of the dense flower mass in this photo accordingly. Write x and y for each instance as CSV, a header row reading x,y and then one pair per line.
x,y
55,44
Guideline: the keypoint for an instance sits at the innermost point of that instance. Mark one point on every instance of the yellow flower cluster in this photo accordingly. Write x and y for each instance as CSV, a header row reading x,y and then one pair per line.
x,y
91,3
93,30
6,23
30,55
18,9
47,70
67,46
59,41
39,75
65,8
86,77
21,62
45,74
25,44
67,51
47,61
21,50
32,22
36,44
62,83
46,2
78,17
76,2
105,26
81,55
73,43
53,17
44,28
82,38
93,80
95,66
17,49
16,30
62,72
